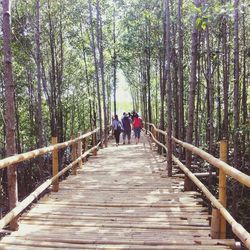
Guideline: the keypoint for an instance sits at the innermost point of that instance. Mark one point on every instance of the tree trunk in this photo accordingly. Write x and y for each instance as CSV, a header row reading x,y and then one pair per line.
x,y
210,106
39,123
244,86
53,106
96,67
114,58
10,125
193,81
101,61
148,68
181,133
226,76
87,81
169,89
236,104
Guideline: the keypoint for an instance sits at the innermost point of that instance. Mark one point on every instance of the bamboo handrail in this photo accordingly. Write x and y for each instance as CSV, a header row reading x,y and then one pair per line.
x,y
237,228
229,170
41,151
34,195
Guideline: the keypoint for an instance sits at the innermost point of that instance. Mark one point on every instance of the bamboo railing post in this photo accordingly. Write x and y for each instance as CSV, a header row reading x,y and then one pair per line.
x,y
79,149
84,149
223,186
94,144
215,224
74,156
55,187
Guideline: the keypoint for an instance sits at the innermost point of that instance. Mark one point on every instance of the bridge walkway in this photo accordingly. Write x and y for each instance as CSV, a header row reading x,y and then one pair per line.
x,y
120,199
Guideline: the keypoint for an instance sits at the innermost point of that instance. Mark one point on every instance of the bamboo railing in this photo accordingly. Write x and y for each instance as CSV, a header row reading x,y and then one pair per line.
x,y
54,148
219,230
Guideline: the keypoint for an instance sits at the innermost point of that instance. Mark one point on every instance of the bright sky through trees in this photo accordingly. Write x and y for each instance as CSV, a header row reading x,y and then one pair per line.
x,y
124,100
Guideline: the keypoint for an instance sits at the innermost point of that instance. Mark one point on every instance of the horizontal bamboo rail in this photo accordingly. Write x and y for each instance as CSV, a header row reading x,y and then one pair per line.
x,y
41,151
34,195
237,228
228,170
197,174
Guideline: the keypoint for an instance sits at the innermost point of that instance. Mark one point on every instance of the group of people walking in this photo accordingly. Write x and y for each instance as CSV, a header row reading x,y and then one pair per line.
x,y
129,122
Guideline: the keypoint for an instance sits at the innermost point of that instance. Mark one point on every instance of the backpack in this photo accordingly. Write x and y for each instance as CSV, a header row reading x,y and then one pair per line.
x,y
119,127
137,122
126,122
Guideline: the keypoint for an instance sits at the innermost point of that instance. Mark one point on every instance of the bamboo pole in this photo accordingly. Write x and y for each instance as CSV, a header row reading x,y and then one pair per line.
x,y
94,143
237,228
41,151
79,149
206,174
228,170
223,186
74,157
84,149
55,165
215,224
34,195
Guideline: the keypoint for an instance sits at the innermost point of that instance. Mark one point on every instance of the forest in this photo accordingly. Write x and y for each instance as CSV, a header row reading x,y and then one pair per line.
x,y
186,63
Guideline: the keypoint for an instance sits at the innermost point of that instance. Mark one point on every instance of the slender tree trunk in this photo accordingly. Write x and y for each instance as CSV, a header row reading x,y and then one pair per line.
x,y
210,106
198,101
10,111
193,81
244,85
60,66
156,94
236,104
39,123
114,57
162,92
148,68
169,89
53,107
181,133
87,80
226,76
96,67
101,61
18,137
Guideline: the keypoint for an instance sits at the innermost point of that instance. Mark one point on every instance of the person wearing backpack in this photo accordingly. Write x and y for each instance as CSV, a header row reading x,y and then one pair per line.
x,y
137,126
117,129
126,124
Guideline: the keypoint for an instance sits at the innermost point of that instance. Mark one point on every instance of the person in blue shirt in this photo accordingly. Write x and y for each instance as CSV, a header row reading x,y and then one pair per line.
x,y
126,124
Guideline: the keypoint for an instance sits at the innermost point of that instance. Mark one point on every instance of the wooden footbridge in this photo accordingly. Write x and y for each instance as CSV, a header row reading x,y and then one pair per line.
x,y
119,198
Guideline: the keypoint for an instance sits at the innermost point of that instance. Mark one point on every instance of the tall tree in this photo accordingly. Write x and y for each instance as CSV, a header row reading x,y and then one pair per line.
x,y
101,63
180,72
226,73
193,81
39,89
169,89
236,103
10,111
114,56
93,47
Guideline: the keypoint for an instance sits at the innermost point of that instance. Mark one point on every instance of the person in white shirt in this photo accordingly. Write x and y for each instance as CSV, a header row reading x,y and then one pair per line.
x,y
117,129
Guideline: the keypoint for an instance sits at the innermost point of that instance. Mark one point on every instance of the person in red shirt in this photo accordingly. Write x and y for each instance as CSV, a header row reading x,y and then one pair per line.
x,y
137,126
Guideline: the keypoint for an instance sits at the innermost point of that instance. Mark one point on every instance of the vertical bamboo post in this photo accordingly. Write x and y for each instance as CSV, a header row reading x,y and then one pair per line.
x,y
55,187
94,144
74,156
215,224
84,149
79,148
153,132
223,186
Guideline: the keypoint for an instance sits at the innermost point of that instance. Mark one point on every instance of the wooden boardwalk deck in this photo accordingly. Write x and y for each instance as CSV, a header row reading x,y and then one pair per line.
x,y
117,201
